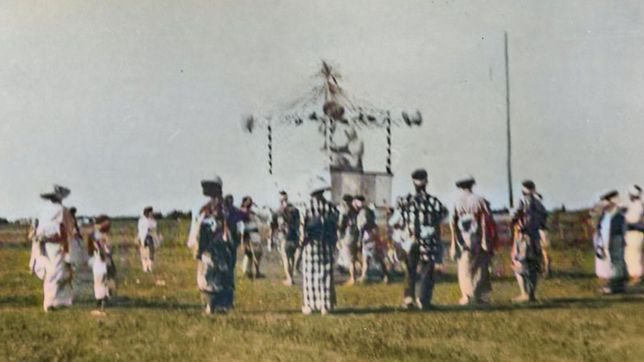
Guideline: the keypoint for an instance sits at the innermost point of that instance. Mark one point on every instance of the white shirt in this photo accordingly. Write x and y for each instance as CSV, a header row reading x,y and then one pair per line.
x,y
145,225
49,220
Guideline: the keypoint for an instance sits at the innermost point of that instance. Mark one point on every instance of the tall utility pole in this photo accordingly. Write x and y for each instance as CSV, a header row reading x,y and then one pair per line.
x,y
508,129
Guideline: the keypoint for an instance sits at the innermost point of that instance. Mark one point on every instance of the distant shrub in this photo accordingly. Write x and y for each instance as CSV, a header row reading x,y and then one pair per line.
x,y
178,214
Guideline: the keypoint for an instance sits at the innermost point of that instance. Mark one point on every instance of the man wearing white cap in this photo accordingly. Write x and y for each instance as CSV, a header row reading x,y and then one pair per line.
x,y
51,261
471,246
634,234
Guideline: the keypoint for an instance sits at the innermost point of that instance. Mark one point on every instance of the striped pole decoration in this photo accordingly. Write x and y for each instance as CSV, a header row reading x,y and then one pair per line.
x,y
331,142
388,166
270,149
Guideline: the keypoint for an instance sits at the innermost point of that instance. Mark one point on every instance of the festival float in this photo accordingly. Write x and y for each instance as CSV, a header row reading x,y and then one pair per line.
x,y
337,113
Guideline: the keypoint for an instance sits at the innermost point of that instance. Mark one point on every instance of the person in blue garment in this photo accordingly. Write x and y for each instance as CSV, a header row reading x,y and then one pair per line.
x,y
211,242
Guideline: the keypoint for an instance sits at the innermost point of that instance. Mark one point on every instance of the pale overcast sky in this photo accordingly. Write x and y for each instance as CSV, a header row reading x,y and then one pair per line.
x,y
131,103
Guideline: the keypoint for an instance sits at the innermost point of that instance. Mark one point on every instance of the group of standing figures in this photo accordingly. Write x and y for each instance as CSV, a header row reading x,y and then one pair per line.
x,y
310,233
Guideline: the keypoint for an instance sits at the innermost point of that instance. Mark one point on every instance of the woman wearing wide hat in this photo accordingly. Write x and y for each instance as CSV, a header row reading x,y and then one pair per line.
x,y
50,255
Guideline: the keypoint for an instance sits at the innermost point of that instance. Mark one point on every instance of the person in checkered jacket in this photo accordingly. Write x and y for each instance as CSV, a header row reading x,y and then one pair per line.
x,y
421,214
319,236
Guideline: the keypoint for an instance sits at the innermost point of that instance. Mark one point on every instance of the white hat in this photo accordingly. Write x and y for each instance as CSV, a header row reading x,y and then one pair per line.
x,y
635,191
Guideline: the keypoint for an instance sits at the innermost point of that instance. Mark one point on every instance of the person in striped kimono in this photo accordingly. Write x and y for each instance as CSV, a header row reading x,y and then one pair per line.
x,y
421,215
319,237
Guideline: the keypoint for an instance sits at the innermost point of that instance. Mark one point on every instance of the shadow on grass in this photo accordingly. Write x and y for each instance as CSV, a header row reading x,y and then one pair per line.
x,y
122,302
556,303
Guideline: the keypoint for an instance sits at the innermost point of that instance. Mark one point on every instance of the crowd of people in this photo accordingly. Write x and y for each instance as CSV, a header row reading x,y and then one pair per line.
x,y
316,236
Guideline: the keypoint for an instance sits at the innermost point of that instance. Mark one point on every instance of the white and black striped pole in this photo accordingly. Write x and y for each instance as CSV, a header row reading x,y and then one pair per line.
x,y
270,149
388,123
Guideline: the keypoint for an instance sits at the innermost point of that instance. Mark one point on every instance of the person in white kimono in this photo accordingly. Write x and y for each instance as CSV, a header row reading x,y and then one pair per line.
x,y
634,234
101,261
148,238
609,245
470,246
50,258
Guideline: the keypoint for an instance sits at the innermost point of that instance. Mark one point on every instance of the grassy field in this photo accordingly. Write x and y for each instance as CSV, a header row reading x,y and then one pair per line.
x,y
151,321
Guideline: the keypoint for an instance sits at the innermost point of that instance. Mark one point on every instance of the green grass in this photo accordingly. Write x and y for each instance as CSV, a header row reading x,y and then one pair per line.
x,y
150,322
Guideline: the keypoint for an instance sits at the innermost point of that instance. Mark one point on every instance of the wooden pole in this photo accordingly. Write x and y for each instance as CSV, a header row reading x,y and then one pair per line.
x,y
508,129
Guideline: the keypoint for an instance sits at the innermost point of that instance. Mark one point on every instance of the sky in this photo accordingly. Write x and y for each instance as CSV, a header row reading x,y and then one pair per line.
x,y
131,104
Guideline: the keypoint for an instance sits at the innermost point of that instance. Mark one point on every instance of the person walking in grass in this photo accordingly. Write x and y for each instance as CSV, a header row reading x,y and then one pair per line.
x,y
287,221
101,261
235,224
526,257
50,259
421,214
148,238
251,240
210,241
609,245
471,246
634,234
348,234
319,237
373,250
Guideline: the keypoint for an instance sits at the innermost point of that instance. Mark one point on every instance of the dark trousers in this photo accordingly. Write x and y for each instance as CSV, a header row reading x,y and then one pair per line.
x,y
419,271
